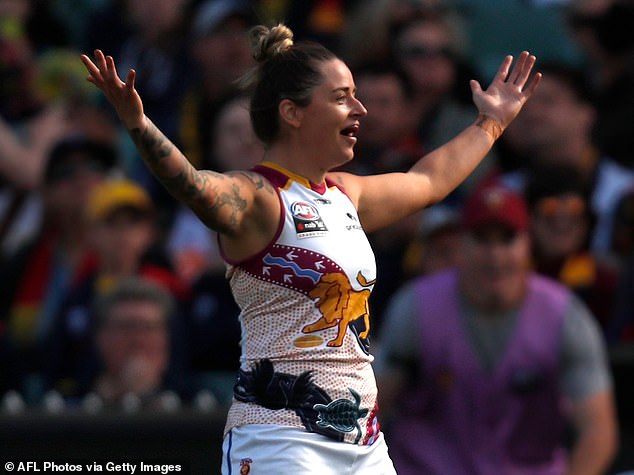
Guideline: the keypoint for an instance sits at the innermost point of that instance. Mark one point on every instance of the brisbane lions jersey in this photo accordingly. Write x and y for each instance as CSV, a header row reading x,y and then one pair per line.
x,y
305,319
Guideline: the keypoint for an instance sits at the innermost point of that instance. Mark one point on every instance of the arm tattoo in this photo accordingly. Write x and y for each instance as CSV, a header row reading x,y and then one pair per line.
x,y
206,198
152,145
200,190
258,181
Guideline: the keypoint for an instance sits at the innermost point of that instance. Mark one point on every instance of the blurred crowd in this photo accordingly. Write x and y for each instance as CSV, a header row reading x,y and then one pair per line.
x,y
114,295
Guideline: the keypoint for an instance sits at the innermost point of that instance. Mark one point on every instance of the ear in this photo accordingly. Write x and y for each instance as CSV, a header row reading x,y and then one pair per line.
x,y
290,113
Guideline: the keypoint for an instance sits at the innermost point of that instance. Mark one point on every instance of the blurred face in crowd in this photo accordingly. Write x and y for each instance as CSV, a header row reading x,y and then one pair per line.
x,y
235,145
582,15
552,120
154,17
559,225
494,266
122,238
70,185
442,250
133,344
424,52
224,54
386,102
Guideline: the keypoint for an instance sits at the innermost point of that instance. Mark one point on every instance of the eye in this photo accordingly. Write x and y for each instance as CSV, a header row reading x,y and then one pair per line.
x,y
341,99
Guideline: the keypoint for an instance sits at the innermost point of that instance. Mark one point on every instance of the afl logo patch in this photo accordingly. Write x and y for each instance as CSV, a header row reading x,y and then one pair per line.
x,y
307,221
305,211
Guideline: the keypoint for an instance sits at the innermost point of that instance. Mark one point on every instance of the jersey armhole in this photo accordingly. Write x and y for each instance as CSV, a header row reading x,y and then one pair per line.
x,y
278,231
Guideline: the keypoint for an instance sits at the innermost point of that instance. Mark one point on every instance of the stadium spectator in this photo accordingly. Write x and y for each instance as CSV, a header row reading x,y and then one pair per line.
x,y
482,367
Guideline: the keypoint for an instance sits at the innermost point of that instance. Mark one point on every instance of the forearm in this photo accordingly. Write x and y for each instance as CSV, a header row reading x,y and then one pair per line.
x,y
448,166
170,167
592,454
597,435
215,198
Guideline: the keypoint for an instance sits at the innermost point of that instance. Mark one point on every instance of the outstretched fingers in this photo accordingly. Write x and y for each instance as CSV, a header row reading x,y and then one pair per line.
x,y
525,72
114,76
100,61
93,70
532,85
503,71
518,68
129,80
520,74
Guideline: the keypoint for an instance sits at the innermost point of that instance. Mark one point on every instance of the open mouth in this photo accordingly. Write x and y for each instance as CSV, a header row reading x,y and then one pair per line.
x,y
350,131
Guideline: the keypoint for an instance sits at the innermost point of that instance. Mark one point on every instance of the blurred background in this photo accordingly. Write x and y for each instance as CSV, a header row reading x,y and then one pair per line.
x,y
118,332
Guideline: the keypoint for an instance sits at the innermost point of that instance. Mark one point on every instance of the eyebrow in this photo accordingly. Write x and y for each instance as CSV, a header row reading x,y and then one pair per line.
x,y
345,89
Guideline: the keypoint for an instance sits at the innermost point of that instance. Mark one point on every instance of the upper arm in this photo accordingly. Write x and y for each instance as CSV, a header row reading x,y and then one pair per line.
x,y
384,199
223,201
245,210
585,367
398,346
241,206
588,387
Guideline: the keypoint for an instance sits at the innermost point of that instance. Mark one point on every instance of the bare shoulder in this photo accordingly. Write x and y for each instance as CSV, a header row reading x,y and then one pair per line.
x,y
349,182
265,201
259,219
250,178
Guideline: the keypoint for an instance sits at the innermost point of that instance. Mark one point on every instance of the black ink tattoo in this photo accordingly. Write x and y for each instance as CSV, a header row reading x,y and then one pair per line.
x,y
219,206
258,181
152,145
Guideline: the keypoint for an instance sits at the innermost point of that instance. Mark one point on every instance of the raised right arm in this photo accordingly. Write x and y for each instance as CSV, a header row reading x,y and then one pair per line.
x,y
219,200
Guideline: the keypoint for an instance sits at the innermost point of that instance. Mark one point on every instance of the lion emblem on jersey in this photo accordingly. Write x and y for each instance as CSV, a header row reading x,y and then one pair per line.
x,y
339,305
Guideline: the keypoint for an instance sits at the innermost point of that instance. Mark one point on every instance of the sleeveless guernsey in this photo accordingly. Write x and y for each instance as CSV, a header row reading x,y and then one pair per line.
x,y
305,320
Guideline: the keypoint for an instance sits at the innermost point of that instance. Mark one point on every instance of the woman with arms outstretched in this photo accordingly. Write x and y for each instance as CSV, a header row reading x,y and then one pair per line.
x,y
293,235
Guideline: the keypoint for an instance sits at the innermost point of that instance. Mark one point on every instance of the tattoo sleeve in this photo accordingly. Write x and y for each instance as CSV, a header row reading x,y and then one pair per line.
x,y
219,205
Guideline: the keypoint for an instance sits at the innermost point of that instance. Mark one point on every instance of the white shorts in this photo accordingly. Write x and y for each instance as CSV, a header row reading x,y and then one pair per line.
x,y
266,449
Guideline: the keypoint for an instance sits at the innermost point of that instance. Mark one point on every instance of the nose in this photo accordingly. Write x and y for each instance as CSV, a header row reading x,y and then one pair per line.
x,y
358,109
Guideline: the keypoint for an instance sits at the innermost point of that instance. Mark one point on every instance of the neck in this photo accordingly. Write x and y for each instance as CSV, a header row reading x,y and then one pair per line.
x,y
492,303
297,160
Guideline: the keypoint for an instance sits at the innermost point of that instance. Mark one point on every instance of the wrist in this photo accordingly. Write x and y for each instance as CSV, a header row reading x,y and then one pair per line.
x,y
491,126
139,123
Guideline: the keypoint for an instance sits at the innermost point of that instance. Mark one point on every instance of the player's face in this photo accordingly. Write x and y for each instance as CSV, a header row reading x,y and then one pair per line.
x,y
331,121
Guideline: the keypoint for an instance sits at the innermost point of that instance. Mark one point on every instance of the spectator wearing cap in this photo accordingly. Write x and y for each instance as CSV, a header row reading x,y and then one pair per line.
x,y
124,236
481,367
37,275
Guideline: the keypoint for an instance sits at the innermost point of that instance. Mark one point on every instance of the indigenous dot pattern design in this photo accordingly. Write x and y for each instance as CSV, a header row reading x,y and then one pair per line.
x,y
276,292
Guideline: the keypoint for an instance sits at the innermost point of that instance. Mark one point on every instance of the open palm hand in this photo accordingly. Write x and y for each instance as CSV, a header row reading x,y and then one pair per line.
x,y
122,95
507,93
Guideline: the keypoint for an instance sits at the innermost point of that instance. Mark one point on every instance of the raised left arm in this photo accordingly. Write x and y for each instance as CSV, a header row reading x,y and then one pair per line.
x,y
386,198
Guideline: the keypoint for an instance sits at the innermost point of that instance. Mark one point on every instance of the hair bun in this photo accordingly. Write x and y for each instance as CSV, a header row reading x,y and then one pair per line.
x,y
269,42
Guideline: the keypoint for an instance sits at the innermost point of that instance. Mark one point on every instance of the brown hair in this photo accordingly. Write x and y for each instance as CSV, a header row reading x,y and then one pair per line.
x,y
285,70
